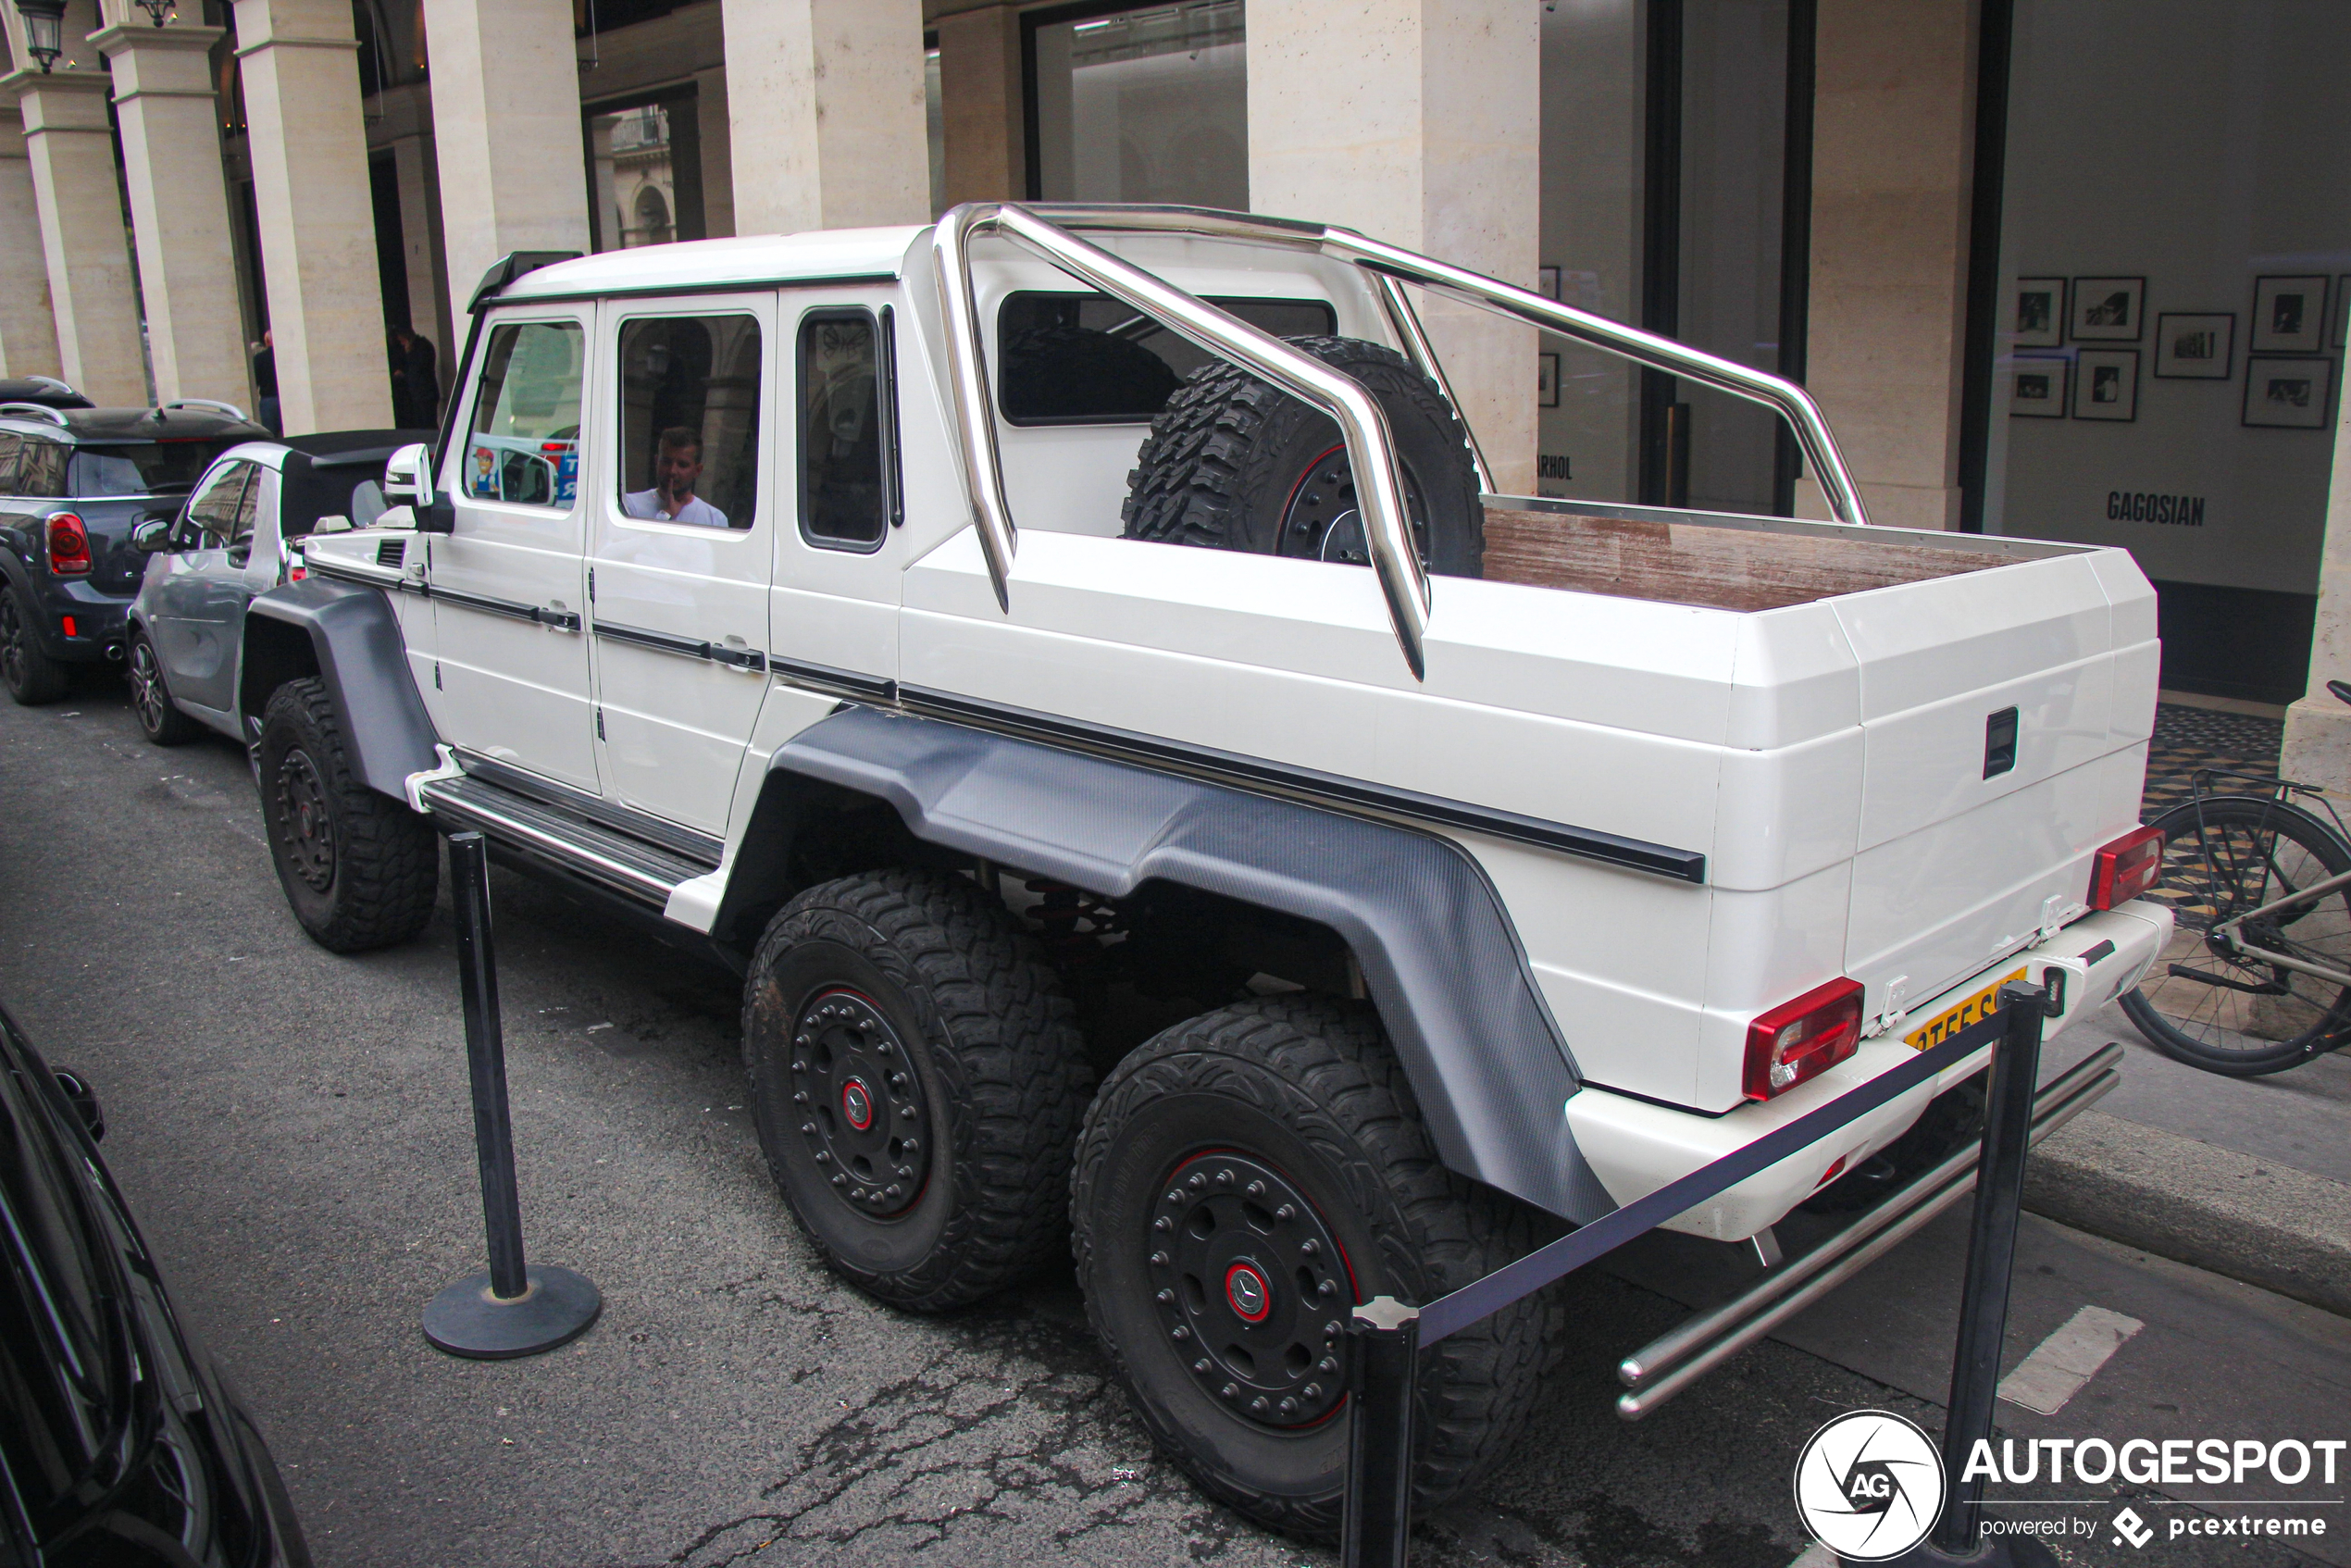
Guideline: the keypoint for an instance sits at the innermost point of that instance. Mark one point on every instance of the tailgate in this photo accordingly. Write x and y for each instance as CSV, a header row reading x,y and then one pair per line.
x,y
1962,859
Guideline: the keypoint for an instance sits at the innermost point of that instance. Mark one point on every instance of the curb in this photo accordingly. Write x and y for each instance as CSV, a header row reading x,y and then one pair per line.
x,y
2261,1223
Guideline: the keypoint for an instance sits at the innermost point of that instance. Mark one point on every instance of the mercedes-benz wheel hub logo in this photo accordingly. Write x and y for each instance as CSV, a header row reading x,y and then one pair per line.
x,y
1870,1486
1245,1289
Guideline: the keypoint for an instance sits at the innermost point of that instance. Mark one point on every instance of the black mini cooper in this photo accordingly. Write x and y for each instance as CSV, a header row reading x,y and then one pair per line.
x,y
73,483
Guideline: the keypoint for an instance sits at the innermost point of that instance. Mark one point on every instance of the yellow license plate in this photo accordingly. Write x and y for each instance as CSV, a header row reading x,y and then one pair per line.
x,y
1951,1020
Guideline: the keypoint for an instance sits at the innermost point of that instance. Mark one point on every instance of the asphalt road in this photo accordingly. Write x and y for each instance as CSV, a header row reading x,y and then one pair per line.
x,y
291,1129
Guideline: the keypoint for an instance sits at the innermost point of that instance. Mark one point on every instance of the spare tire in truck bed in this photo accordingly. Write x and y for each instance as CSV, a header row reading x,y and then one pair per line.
x,y
1236,464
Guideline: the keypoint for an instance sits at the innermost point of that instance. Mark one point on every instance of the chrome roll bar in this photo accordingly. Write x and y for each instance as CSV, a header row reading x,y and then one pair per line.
x,y
1046,231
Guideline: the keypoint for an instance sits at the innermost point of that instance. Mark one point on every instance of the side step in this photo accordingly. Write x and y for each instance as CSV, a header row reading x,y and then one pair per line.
x,y
617,860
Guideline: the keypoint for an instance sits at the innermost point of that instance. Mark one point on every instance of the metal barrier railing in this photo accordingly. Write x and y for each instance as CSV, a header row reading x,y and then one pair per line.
x,y
1387,1335
1046,230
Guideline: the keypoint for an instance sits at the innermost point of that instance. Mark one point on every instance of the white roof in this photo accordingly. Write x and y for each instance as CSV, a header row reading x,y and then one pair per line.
x,y
703,264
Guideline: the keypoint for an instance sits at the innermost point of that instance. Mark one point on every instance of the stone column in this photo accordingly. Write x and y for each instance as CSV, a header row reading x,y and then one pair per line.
x,y
826,100
1417,122
718,153
165,104
70,148
28,328
405,128
979,91
1893,170
317,217
505,111
2318,728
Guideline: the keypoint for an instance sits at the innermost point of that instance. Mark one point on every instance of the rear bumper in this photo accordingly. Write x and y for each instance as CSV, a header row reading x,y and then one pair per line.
x,y
1636,1147
98,620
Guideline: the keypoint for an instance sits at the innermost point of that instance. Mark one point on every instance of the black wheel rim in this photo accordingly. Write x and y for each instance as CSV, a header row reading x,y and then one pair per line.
x,y
11,643
1251,1289
860,1097
1320,520
146,687
307,829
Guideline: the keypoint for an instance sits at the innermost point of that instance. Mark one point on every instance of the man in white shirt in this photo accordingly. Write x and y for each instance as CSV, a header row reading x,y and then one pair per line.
x,y
672,499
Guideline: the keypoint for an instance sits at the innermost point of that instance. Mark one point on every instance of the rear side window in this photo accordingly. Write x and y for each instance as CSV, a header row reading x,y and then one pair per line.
x,y
690,419
523,445
142,468
847,467
223,509
41,469
1089,359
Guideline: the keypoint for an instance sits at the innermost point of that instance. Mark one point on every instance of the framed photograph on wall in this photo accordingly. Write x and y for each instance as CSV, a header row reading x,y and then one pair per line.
x,y
1547,381
2195,348
2036,387
2108,310
2106,384
2289,314
2040,313
2287,394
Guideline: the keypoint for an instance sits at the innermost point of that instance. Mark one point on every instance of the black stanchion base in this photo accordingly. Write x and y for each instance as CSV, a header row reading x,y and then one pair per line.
x,y
1999,1551
467,1320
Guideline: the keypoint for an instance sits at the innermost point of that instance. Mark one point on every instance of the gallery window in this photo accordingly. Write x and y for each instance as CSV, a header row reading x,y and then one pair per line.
x,y
1141,104
1671,167
2160,363
645,171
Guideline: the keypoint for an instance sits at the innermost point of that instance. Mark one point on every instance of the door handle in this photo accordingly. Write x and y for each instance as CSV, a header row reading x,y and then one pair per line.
x,y
736,654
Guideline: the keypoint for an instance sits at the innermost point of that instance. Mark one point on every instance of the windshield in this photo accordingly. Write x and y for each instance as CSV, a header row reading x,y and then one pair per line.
x,y
142,468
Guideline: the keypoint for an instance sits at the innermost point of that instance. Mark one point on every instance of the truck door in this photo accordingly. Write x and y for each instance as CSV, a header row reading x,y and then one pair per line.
x,y
510,675
680,550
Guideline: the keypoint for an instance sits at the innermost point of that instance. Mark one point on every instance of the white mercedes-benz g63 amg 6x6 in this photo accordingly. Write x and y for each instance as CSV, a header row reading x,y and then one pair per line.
x,y
1070,661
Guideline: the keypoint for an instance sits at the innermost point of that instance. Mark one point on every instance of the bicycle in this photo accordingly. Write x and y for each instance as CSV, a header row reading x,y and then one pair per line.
x,y
2257,977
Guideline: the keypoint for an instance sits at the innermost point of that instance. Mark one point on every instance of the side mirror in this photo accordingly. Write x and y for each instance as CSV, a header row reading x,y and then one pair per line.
x,y
152,537
408,475
84,1100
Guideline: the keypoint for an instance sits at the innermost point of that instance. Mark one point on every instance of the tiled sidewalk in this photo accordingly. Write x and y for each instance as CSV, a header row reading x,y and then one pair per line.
x,y
2187,738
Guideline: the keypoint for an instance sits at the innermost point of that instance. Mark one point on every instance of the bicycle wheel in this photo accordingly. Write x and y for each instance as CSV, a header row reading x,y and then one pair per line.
x,y
2228,1013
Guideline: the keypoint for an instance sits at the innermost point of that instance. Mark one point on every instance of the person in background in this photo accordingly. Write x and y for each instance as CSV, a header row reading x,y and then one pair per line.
x,y
404,409
672,498
424,380
264,382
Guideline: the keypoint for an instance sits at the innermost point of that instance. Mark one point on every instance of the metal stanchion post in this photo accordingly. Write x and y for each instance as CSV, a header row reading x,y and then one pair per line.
x,y
512,1308
1984,1299
1383,1358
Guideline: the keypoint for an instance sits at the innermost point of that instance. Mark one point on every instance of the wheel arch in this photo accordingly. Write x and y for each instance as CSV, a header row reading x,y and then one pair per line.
x,y
1438,956
348,637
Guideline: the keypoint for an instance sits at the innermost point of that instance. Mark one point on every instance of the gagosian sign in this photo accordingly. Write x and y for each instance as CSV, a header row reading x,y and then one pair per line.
x,y
2155,506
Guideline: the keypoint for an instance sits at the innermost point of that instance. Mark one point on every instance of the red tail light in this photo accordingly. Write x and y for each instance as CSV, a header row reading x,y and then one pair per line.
x,y
68,546
1802,1039
2126,869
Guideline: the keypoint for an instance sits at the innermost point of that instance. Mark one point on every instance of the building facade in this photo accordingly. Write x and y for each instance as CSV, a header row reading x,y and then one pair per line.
x,y
2067,269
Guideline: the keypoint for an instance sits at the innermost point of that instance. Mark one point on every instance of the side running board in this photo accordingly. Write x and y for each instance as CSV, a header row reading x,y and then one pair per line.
x,y
617,860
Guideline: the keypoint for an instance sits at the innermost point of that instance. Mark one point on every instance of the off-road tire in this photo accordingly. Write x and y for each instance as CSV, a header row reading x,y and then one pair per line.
x,y
372,881
1309,1089
160,719
1003,1080
31,677
1228,451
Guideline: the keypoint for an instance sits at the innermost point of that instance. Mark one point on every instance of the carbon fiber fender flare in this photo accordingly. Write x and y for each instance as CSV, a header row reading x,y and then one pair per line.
x,y
348,636
1439,954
